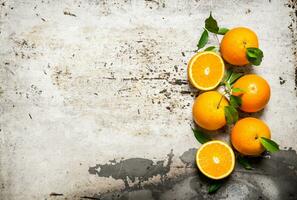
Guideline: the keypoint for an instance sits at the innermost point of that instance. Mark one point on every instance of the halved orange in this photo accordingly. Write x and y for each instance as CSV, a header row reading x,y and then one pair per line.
x,y
206,70
215,159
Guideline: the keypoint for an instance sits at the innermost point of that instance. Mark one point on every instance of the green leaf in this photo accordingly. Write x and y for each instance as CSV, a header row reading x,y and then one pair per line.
x,y
234,113
210,48
237,90
269,145
244,162
203,39
235,101
254,55
222,31
228,115
211,24
214,186
227,75
228,86
200,136
251,54
234,76
231,114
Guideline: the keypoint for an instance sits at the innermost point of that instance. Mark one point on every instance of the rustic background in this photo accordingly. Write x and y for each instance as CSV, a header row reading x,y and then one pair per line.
x,y
95,102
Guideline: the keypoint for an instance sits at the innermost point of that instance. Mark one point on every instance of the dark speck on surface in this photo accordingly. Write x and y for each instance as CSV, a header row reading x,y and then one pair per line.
x,y
69,13
179,82
295,77
168,108
176,68
55,194
87,197
162,91
281,80
185,92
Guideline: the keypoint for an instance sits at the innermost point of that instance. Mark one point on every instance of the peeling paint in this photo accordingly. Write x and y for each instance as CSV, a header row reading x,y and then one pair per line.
x,y
134,168
188,157
279,169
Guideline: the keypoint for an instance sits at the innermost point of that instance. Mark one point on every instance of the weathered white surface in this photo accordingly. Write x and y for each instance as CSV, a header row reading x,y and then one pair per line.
x,y
92,84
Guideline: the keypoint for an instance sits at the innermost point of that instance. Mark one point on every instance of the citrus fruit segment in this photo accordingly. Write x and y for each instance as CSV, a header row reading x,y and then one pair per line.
x,y
208,110
234,45
215,159
206,70
246,136
256,92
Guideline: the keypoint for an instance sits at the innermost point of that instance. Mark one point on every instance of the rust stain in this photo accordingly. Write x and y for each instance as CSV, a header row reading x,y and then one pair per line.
x,y
292,4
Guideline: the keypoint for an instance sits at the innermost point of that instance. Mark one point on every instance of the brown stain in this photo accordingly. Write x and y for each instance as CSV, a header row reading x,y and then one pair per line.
x,y
36,34
144,47
69,14
24,48
60,76
292,5
54,194
109,7
104,7
43,35
88,29
158,67
140,132
155,4
295,77
141,50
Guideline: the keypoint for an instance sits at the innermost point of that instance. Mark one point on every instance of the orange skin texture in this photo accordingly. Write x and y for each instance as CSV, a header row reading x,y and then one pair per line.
x,y
246,134
256,92
205,111
234,44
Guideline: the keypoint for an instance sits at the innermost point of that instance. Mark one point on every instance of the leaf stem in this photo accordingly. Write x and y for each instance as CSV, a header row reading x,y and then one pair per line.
x,y
221,100
216,36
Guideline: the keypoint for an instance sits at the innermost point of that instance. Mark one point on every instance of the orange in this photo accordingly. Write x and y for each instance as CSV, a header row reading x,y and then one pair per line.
x,y
215,159
208,110
234,44
206,70
256,92
246,135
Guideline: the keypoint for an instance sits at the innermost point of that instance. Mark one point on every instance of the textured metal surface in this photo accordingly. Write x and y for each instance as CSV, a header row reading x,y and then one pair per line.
x,y
95,103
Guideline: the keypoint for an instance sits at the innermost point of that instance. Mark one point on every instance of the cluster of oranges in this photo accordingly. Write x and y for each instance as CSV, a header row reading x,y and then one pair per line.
x,y
206,70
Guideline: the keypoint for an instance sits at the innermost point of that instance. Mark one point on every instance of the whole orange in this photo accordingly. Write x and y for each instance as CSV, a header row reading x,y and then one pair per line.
x,y
208,110
256,92
246,135
234,44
